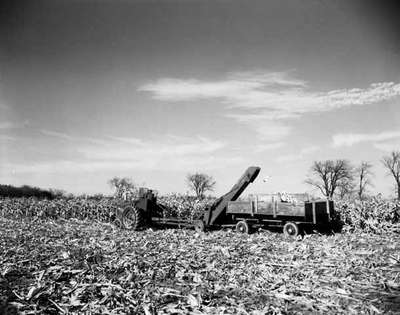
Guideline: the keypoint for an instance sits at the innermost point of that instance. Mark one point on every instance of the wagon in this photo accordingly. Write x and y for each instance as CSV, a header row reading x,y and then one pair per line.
x,y
292,212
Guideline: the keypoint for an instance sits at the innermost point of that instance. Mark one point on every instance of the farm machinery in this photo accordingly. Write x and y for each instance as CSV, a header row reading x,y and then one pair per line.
x,y
294,214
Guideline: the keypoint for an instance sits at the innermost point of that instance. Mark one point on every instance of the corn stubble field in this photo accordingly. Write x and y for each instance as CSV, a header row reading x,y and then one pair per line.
x,y
56,261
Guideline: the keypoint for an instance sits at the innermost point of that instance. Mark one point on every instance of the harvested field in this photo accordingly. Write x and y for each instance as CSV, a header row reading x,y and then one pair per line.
x,y
71,266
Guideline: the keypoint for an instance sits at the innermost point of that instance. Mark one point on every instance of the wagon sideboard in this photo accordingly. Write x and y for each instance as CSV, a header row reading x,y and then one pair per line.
x,y
271,207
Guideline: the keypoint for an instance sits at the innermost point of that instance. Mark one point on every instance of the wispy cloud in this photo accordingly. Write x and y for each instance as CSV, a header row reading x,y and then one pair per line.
x,y
168,147
120,153
12,125
69,137
295,157
277,94
131,148
7,138
388,146
205,163
127,140
2,103
235,88
56,134
270,96
268,146
350,139
271,131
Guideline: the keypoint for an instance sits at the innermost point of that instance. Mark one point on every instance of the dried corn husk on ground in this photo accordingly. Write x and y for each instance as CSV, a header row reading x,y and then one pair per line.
x,y
71,266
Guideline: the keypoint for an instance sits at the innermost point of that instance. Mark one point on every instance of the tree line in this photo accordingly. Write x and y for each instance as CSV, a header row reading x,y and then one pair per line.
x,y
339,178
40,193
199,183
26,191
333,178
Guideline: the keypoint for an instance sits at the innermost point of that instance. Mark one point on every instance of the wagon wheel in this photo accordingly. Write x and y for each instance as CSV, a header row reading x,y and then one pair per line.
x,y
199,226
117,223
132,218
291,229
337,226
242,227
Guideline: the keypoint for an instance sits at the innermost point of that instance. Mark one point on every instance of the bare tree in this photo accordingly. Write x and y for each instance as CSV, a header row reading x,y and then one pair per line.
x,y
200,183
124,187
363,173
345,188
328,175
392,163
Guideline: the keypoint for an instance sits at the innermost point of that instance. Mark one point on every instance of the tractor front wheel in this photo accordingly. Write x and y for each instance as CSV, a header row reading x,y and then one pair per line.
x,y
132,218
291,229
242,227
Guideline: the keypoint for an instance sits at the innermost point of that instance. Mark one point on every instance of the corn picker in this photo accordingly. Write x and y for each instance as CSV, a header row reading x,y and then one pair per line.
x,y
277,210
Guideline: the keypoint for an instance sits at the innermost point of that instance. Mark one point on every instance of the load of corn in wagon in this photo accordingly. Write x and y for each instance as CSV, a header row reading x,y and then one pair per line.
x,y
294,213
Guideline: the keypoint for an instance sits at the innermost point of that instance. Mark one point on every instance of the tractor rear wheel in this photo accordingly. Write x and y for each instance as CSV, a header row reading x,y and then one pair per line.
x,y
291,229
242,227
132,218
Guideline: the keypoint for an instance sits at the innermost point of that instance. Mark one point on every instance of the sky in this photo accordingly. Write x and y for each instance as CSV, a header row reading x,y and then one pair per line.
x,y
154,90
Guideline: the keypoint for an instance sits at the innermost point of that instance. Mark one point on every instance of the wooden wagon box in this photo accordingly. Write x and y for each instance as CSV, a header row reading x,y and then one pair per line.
x,y
271,204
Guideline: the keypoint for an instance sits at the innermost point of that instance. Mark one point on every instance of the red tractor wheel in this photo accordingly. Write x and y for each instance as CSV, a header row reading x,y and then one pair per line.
x,y
291,229
242,227
132,218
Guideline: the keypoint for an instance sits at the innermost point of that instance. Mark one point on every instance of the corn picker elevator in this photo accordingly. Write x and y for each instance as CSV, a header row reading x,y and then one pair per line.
x,y
293,214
